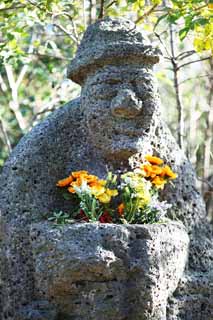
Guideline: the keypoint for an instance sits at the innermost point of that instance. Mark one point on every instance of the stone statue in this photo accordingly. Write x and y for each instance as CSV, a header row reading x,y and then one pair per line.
x,y
112,125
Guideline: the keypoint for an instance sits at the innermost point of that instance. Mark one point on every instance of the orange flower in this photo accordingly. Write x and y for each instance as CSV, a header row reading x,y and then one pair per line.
x,y
168,173
159,182
96,182
65,182
156,170
79,174
121,209
153,160
76,183
147,169
91,179
71,190
151,170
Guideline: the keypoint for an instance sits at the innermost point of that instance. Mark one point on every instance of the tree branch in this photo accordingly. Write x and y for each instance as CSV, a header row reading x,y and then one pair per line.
x,y
92,11
201,7
5,136
14,103
101,14
190,62
84,13
71,19
165,48
36,5
110,4
42,112
177,90
146,14
185,54
192,78
209,128
37,54
25,67
12,8
206,182
3,84
66,32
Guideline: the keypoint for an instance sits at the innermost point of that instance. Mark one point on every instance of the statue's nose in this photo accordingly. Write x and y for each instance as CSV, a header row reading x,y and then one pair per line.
x,y
126,104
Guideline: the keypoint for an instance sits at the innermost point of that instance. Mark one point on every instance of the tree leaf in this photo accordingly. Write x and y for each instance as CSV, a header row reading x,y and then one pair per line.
x,y
183,33
160,18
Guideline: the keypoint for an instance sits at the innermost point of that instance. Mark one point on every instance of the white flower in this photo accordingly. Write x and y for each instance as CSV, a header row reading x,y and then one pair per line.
x,y
84,188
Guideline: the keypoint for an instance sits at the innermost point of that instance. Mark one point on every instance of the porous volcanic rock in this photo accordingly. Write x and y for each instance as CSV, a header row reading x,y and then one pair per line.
x,y
99,130
105,271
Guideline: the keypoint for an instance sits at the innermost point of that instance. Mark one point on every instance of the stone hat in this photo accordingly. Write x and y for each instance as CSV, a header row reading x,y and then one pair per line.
x,y
111,41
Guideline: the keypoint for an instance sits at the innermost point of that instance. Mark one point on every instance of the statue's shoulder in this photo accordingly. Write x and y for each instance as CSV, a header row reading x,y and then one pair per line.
x,y
70,109
67,112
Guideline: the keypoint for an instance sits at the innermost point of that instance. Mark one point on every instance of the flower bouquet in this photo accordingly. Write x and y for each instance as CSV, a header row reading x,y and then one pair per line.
x,y
131,197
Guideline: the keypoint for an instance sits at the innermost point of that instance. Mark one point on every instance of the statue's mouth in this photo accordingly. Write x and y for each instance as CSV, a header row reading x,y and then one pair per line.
x,y
120,156
130,132
122,148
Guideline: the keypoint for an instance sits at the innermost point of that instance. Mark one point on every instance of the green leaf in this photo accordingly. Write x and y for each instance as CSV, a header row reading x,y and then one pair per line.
x,y
172,18
67,196
10,36
183,33
159,19
200,22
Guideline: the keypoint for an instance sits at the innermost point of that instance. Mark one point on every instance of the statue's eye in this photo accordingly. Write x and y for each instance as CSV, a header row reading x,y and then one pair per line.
x,y
135,87
103,91
133,83
113,81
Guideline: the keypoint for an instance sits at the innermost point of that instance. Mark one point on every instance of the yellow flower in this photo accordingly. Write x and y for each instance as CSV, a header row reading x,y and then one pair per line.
x,y
143,202
159,182
104,198
95,182
112,192
143,195
153,160
97,189
168,173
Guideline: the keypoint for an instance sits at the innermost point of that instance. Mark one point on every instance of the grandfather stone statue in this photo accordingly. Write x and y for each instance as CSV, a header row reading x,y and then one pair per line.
x,y
114,123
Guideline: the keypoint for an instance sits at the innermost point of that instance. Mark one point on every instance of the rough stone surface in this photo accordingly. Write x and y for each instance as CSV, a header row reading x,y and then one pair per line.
x,y
193,298
98,131
38,310
109,44
95,271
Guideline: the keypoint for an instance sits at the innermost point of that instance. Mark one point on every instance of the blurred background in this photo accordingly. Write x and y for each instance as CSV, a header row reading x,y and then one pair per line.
x,y
38,39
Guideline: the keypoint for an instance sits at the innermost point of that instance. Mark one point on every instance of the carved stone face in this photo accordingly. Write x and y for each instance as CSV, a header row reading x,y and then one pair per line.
x,y
119,102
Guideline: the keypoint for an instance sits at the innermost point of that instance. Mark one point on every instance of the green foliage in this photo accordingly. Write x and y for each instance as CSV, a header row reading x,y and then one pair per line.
x,y
60,218
197,17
